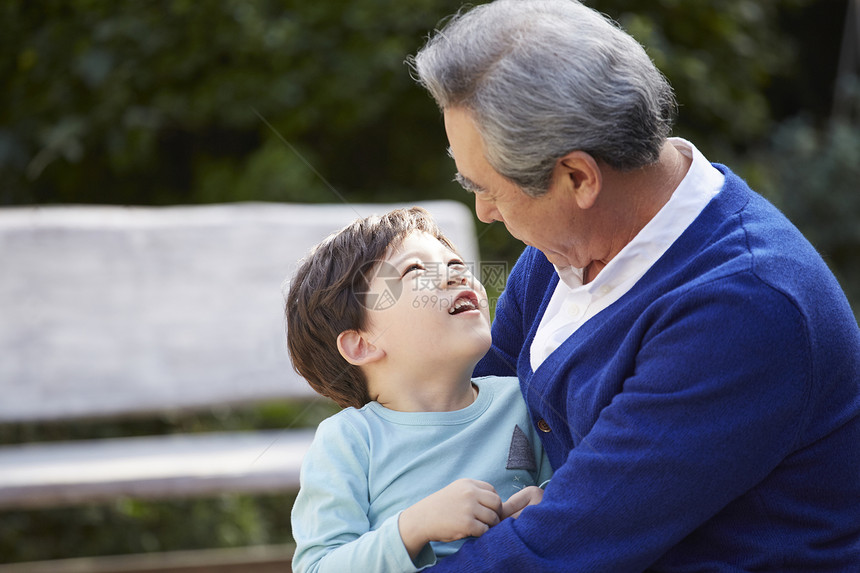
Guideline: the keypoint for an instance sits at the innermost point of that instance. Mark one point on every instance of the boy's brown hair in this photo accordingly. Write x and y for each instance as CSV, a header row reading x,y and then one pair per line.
x,y
327,296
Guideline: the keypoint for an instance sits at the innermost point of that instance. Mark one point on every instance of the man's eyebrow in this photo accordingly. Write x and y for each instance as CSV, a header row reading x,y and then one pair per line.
x,y
467,183
464,181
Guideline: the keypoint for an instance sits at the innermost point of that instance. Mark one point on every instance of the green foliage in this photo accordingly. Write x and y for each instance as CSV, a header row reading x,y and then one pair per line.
x,y
814,179
136,102
133,526
719,55
161,101
175,101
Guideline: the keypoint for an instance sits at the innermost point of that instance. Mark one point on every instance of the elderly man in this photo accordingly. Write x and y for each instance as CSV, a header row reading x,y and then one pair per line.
x,y
690,361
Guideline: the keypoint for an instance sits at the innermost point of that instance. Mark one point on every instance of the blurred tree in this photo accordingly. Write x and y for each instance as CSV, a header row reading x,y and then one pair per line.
x,y
157,102
721,56
136,102
814,175
131,526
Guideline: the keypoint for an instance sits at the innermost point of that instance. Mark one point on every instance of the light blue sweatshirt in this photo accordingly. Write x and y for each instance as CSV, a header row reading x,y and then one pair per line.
x,y
366,466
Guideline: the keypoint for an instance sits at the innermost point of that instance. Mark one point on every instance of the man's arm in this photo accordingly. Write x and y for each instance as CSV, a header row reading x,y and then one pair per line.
x,y
707,414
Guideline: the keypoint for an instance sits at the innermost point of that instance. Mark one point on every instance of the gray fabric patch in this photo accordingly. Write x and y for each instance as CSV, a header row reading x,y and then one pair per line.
x,y
521,456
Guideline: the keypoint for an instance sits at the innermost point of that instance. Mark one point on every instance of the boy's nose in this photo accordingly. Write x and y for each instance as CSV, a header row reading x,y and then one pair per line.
x,y
456,279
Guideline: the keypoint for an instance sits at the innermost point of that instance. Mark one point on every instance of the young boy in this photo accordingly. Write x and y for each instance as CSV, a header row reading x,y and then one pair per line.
x,y
385,318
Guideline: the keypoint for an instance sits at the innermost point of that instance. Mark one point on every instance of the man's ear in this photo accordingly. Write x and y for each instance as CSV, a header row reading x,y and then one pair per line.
x,y
356,349
578,174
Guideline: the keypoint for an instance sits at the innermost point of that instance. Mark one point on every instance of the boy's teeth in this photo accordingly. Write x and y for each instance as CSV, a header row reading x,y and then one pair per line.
x,y
462,304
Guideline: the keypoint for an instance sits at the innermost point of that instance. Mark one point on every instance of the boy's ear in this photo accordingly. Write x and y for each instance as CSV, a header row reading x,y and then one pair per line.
x,y
356,349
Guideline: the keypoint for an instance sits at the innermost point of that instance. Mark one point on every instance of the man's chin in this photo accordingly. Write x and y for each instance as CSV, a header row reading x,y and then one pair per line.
x,y
561,261
558,259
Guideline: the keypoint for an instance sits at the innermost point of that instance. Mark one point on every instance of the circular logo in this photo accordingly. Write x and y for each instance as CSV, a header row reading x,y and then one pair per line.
x,y
383,286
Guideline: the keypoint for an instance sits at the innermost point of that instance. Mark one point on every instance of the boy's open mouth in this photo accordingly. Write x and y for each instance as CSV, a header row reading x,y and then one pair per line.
x,y
465,302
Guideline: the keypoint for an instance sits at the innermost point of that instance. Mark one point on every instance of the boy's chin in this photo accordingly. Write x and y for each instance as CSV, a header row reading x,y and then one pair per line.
x,y
479,353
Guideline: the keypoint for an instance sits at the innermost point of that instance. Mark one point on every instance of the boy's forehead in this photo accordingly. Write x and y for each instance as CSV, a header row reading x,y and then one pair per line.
x,y
415,243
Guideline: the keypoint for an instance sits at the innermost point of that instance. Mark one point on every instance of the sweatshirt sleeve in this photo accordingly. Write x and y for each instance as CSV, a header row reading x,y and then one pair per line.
x,y
706,415
330,515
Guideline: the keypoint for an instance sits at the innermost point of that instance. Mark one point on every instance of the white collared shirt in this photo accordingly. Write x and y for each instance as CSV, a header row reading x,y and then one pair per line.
x,y
573,303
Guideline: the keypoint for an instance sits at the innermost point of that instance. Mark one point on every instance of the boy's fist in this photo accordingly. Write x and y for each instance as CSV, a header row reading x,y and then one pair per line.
x,y
465,508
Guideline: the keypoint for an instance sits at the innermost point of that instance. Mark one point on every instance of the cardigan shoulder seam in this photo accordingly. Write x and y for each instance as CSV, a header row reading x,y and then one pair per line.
x,y
802,319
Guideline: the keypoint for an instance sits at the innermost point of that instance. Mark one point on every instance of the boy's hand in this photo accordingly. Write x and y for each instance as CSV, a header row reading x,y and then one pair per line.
x,y
531,495
465,508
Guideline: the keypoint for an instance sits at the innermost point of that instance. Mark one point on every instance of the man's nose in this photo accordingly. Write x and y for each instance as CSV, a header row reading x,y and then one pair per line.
x,y
486,211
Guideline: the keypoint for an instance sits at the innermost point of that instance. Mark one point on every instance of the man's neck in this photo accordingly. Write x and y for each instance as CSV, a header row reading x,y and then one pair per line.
x,y
635,198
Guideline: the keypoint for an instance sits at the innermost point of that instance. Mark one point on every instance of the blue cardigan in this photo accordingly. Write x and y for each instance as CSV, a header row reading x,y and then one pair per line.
x,y
709,420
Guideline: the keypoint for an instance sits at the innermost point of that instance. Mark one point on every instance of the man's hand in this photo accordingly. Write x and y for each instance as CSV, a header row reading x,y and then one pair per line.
x,y
527,496
466,508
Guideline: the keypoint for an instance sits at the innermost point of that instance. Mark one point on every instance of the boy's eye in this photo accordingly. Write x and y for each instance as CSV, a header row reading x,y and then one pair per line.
x,y
456,263
412,267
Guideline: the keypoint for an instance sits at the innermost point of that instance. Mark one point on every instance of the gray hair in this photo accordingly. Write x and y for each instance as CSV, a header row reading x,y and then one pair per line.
x,y
542,78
